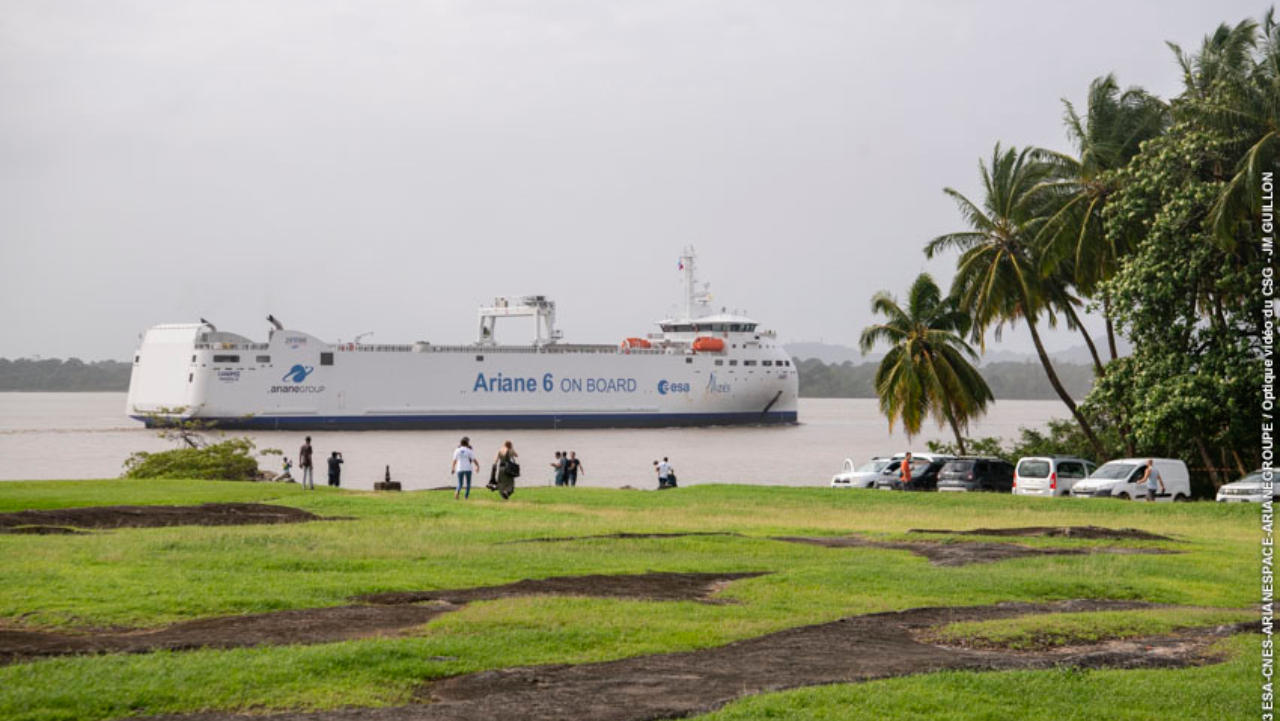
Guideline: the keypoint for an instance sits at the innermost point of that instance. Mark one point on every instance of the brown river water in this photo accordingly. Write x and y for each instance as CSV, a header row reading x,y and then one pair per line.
x,y
87,435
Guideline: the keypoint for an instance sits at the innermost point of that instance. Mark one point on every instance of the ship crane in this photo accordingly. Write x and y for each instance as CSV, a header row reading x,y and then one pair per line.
x,y
538,307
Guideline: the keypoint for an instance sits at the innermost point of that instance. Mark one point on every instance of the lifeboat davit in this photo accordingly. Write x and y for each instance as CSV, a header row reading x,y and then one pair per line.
x,y
636,343
707,345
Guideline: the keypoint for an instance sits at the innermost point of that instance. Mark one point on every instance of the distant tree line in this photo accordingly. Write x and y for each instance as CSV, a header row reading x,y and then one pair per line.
x,y
53,374
1007,380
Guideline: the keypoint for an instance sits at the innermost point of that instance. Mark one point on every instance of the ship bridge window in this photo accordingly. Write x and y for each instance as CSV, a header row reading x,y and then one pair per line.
x,y
733,362
326,359
748,363
226,359
767,363
719,362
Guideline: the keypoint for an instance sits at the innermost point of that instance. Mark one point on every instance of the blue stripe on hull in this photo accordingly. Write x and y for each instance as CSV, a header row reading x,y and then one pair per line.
x,y
497,422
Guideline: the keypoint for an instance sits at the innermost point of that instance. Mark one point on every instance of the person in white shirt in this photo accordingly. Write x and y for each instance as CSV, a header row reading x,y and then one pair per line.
x,y
664,472
464,462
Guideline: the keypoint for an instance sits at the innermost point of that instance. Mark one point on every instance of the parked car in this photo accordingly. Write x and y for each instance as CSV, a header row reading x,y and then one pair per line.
x,y
976,474
864,476
1049,475
1119,479
1248,490
923,477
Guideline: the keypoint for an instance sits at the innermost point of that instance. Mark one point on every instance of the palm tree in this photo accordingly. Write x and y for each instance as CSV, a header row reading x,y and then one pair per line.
x,y
1110,133
998,277
926,372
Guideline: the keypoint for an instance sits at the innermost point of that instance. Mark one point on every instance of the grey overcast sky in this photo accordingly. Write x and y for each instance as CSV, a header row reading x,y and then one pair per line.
x,y
356,166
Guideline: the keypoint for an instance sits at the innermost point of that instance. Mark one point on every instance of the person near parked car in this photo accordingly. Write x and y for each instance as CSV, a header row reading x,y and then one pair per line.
x,y
1151,477
464,462
904,471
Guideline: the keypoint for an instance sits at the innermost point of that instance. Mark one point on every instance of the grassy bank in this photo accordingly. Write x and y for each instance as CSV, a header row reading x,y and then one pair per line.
x,y
416,541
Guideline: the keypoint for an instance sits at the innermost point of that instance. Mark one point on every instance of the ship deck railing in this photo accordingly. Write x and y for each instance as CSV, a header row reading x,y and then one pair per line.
x,y
478,349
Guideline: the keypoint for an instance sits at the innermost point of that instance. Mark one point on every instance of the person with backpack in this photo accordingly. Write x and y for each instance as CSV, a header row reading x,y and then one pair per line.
x,y
502,478
666,476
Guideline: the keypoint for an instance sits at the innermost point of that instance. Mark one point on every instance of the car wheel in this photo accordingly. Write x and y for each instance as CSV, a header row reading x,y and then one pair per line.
x,y
1123,497
1180,498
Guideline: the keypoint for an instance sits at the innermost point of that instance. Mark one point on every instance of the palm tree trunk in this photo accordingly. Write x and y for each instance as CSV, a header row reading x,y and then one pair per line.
x,y
1088,340
1111,331
951,418
1062,392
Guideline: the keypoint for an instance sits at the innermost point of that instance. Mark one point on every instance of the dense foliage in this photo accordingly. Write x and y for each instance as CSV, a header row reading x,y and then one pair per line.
x,y
1156,219
229,460
73,374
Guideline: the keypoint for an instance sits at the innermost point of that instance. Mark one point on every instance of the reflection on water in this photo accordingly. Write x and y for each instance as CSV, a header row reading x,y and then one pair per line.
x,y
87,435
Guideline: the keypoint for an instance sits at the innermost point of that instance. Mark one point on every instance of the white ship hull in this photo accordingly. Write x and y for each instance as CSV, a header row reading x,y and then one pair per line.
x,y
296,381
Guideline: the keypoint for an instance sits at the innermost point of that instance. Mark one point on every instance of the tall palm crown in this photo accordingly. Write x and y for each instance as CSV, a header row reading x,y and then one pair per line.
x,y
1106,137
927,371
999,276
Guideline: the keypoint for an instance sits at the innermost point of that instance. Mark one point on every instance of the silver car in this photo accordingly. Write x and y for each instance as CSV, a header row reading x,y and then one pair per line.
x,y
864,476
1247,490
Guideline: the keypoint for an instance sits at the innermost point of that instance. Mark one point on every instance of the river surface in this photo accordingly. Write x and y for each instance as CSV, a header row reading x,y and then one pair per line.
x,y
87,435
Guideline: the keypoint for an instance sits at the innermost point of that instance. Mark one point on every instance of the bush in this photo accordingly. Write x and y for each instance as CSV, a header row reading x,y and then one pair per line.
x,y
230,460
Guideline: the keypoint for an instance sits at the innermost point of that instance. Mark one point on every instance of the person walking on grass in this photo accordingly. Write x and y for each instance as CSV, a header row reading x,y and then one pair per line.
x,y
559,465
505,470
304,462
464,462
573,468
1150,478
335,469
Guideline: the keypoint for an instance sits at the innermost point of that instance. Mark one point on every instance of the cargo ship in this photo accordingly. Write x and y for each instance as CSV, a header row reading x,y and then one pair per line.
x,y
702,368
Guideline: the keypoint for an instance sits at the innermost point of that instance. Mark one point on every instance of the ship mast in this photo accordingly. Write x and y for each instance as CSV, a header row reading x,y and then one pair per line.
x,y
696,296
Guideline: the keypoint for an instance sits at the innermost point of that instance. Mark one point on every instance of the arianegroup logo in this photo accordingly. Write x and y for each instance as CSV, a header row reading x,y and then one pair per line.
x,y
297,374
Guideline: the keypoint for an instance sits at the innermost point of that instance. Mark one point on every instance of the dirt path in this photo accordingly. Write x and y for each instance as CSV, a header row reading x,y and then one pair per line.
x,y
377,615
962,553
677,685
1084,532
63,520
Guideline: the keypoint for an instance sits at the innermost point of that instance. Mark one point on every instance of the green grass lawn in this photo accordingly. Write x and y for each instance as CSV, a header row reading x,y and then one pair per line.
x,y
426,540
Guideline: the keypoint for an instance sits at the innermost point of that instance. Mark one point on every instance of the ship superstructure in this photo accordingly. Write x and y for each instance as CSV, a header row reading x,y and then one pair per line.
x,y
701,368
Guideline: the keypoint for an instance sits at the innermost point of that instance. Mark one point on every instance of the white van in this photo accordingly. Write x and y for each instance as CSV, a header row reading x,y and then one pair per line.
x,y
1049,475
1119,479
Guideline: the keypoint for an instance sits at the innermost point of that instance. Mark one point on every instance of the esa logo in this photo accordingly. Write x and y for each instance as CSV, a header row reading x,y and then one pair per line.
x,y
297,374
665,387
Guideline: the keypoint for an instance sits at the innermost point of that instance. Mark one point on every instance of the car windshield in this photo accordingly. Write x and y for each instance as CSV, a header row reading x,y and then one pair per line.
x,y
1114,471
1033,469
1252,478
872,466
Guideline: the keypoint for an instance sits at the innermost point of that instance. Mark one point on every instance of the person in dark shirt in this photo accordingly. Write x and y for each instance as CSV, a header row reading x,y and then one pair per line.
x,y
574,467
335,469
304,462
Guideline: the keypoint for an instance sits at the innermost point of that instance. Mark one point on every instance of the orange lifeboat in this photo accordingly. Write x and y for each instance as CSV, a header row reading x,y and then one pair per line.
x,y
636,343
707,345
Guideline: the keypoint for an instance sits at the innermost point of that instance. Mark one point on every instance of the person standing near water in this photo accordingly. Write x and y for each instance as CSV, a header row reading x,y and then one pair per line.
x,y
506,469
559,465
335,469
464,462
664,473
573,468
304,462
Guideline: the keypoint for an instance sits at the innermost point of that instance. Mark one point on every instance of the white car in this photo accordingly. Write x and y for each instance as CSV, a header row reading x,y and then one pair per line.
x,y
1248,490
1119,479
1049,475
864,476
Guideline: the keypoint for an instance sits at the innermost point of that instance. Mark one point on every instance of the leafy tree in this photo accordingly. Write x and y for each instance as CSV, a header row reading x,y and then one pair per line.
x,y
229,460
926,371
998,278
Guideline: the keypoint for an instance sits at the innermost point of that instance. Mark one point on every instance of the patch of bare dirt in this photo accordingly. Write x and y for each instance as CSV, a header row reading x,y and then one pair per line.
x,y
42,531
677,685
1084,532
378,615
205,514
624,536
961,553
